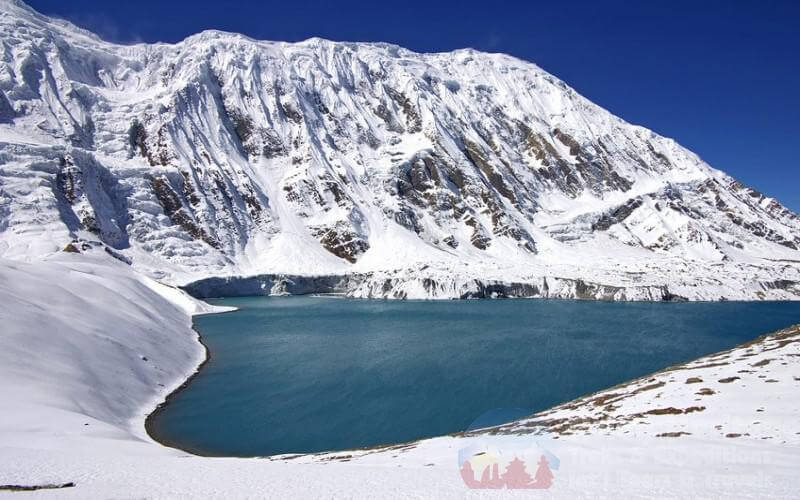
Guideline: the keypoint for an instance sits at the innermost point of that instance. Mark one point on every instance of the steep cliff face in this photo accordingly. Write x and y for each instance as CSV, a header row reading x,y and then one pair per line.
x,y
224,155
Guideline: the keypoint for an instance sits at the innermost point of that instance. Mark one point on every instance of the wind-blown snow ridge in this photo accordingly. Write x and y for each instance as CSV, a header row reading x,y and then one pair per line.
x,y
225,156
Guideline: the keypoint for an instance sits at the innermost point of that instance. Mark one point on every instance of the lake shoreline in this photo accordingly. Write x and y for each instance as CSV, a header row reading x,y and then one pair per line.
x,y
149,425
159,437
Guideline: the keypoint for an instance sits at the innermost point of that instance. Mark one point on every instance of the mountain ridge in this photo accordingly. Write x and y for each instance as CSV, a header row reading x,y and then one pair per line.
x,y
221,155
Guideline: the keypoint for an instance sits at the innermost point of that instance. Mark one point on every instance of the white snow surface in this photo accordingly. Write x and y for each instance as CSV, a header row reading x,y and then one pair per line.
x,y
89,347
222,155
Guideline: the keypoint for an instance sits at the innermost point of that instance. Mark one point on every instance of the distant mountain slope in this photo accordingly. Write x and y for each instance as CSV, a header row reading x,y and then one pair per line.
x,y
223,155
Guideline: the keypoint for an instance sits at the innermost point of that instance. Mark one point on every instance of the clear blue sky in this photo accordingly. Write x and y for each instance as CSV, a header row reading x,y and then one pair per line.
x,y
720,77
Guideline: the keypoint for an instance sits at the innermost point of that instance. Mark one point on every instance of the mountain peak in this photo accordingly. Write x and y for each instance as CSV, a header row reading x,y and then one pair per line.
x,y
226,155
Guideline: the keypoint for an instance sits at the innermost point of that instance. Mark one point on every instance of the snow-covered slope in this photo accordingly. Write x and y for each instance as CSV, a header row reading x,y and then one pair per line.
x,y
84,350
88,347
222,155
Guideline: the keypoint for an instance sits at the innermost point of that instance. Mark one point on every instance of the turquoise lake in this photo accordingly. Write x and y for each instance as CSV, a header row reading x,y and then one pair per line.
x,y
306,374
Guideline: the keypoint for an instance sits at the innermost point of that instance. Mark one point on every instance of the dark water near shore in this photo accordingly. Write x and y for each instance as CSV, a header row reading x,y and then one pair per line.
x,y
304,374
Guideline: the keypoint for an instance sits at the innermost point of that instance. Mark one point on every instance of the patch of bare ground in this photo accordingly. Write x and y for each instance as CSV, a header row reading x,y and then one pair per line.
x,y
36,487
649,387
709,365
607,398
693,409
664,411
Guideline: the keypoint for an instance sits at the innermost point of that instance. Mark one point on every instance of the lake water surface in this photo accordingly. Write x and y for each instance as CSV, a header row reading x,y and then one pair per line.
x,y
305,374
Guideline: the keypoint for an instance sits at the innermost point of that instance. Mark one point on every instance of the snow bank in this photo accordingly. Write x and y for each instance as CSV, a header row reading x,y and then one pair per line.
x,y
89,347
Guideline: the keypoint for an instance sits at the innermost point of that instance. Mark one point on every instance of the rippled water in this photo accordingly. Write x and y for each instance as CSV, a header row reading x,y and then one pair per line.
x,y
304,374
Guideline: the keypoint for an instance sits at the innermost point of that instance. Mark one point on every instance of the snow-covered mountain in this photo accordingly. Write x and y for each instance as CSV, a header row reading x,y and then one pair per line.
x,y
393,173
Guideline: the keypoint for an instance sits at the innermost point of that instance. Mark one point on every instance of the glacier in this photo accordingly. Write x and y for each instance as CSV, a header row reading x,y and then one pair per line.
x,y
393,173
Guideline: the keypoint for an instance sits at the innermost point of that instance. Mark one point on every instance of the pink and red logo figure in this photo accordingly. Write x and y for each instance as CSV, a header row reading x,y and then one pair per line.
x,y
515,477
505,464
